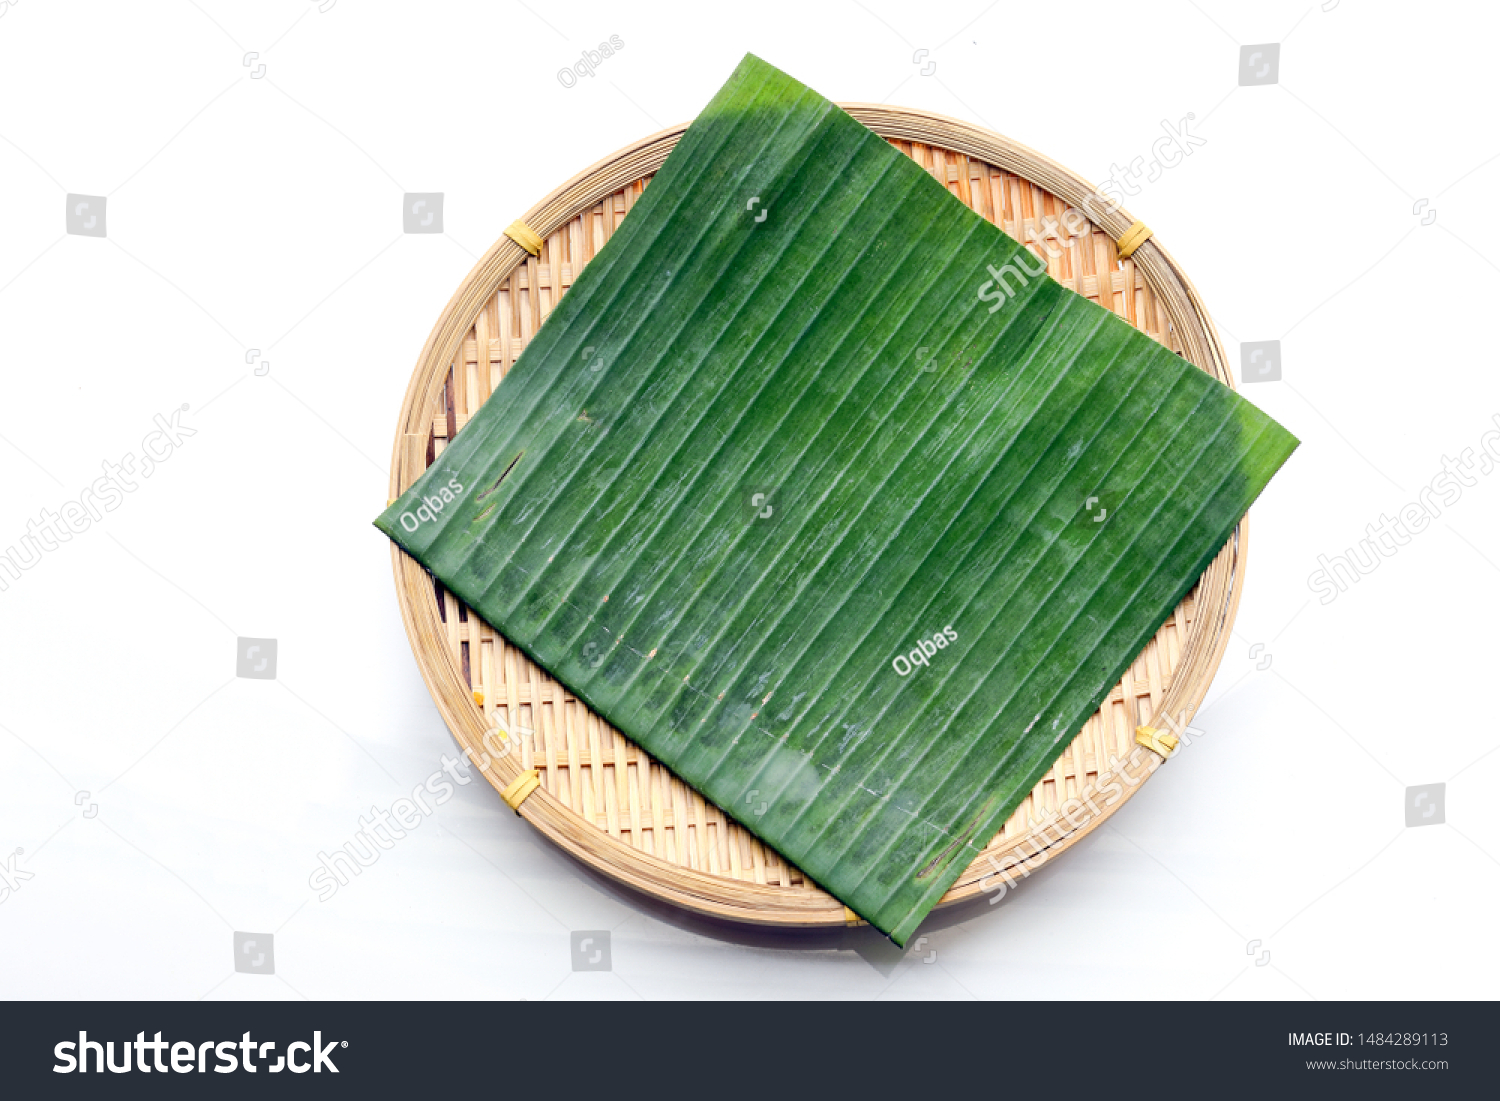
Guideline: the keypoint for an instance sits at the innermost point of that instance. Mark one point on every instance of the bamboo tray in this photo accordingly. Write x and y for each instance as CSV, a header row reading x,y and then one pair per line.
x,y
602,798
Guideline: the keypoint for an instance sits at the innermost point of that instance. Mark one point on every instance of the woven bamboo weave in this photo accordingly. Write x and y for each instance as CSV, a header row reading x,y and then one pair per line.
x,y
601,797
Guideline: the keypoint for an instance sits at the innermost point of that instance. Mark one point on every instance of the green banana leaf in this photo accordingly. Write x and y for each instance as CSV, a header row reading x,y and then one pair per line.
x,y
797,494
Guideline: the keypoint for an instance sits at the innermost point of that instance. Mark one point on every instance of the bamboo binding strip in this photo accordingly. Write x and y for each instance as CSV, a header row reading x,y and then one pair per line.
x,y
602,798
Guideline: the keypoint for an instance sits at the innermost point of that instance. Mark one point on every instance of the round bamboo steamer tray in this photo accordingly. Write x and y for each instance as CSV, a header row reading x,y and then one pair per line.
x,y
601,797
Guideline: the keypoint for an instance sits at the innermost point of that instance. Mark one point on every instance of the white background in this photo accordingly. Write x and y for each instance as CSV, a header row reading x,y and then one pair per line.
x,y
264,213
